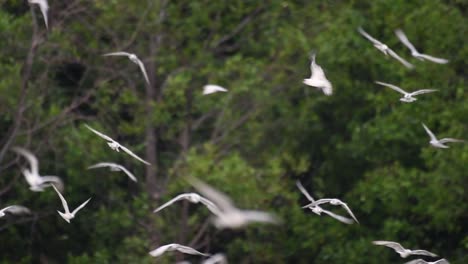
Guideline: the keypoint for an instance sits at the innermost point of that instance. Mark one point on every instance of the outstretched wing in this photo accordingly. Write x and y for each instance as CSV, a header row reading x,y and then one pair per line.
x,y
175,199
373,40
216,259
64,202
79,207
210,205
448,140
423,91
400,59
393,87
396,246
99,134
191,251
338,217
423,252
119,53
433,59
222,201
160,250
44,6
143,70
53,180
259,216
401,35
129,174
16,209
346,207
303,190
101,165
429,132
417,261
129,152
30,157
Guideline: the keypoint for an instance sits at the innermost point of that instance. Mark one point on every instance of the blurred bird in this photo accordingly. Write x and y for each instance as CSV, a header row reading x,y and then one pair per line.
x,y
67,216
216,259
332,202
229,216
404,253
414,52
193,198
317,78
408,97
114,167
14,209
212,88
115,145
44,6
439,143
316,209
385,49
36,182
134,59
421,261
172,247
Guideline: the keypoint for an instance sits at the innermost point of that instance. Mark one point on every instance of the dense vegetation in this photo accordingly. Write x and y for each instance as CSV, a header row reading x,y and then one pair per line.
x,y
361,145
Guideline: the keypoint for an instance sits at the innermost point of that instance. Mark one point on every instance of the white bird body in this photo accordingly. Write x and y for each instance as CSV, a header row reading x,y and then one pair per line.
x,y
36,182
193,198
114,167
315,208
44,6
385,49
414,52
172,247
229,216
407,97
403,252
421,261
318,79
67,215
14,209
439,143
132,58
212,88
116,145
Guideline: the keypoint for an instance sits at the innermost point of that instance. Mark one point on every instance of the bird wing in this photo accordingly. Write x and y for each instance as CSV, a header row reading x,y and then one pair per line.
x,y
173,200
212,88
417,261
429,132
64,202
216,259
373,40
129,174
118,53
143,70
16,209
433,59
396,246
54,180
401,35
160,250
222,201
400,59
441,261
100,134
303,190
338,217
102,164
423,91
80,207
259,216
393,87
210,205
189,250
346,207
44,6
129,152
447,140
30,157
423,252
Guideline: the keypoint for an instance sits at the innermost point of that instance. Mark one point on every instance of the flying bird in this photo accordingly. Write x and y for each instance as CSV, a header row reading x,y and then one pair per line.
x,y
172,247
134,59
317,78
212,88
115,145
216,259
36,182
316,209
114,167
44,6
414,52
407,97
14,209
67,216
404,253
385,49
333,202
422,261
193,198
439,143
229,216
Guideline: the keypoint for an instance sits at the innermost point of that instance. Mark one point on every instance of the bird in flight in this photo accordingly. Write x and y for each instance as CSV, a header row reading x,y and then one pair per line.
x,y
212,88
114,167
14,209
229,216
414,52
44,6
404,253
193,198
216,259
36,182
333,201
422,261
319,210
134,59
439,143
317,78
407,97
115,145
385,49
67,216
172,247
